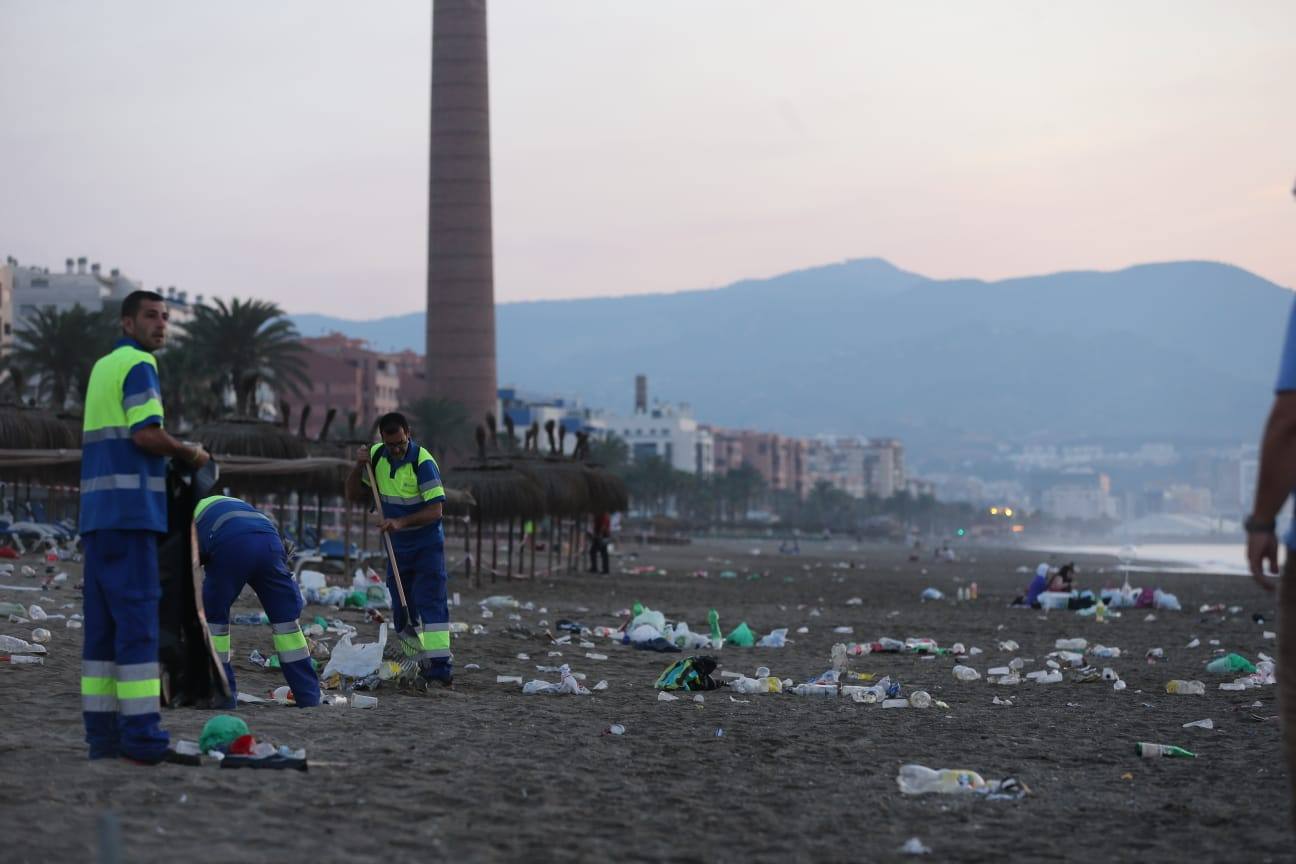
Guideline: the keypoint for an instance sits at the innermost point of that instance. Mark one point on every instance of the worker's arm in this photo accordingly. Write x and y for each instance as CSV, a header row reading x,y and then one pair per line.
x,y
426,516
1277,479
358,479
142,403
156,441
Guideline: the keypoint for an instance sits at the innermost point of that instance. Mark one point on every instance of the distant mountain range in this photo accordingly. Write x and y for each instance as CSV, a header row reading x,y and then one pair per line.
x,y
1176,351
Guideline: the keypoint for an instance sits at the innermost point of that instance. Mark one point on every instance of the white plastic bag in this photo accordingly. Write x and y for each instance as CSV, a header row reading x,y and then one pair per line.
x,y
356,661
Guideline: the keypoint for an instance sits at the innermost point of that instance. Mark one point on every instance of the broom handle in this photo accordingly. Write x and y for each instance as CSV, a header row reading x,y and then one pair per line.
x,y
391,553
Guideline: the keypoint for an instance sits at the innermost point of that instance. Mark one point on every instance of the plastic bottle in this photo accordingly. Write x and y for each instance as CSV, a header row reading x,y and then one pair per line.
x,y
966,673
1053,676
40,635
14,645
21,659
972,591
918,780
1104,651
824,690
1100,612
713,620
1071,644
1230,663
1186,688
919,699
1155,751
895,703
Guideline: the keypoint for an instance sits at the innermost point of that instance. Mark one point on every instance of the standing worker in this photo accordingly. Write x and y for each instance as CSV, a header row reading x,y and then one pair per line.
x,y
239,545
123,513
409,487
1276,481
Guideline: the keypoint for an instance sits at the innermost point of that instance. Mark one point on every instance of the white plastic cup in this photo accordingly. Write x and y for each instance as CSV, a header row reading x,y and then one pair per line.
x,y
361,700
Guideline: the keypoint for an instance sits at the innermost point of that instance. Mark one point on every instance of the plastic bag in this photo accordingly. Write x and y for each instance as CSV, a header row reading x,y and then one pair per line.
x,y
356,661
774,639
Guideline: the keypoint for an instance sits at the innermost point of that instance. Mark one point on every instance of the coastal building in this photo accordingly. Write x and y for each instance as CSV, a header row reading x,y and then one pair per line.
x,y
1080,500
347,375
779,459
669,432
524,408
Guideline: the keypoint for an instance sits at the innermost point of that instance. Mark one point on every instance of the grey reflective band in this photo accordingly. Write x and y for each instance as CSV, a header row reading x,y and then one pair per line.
x,y
435,628
429,486
107,433
285,627
99,704
137,672
435,655
122,483
141,398
294,655
135,707
238,514
392,499
99,668
218,629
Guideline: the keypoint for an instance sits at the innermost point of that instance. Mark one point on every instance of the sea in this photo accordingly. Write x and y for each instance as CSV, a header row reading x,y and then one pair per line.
x,y
1184,557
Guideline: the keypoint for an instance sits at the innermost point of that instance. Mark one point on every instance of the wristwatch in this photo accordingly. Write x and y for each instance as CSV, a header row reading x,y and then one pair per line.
x,y
1254,526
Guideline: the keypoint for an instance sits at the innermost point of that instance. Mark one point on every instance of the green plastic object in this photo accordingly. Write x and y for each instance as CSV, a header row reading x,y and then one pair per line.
x,y
274,662
742,636
221,730
358,599
713,618
1230,663
636,610
319,619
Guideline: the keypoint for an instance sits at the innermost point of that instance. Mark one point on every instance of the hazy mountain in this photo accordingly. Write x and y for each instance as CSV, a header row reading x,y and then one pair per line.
x,y
1177,351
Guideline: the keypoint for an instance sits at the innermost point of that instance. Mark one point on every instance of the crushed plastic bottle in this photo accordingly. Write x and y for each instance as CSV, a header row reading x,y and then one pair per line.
x,y
919,699
1148,750
1230,663
1186,688
1200,724
1105,652
40,635
1071,644
919,780
14,645
966,673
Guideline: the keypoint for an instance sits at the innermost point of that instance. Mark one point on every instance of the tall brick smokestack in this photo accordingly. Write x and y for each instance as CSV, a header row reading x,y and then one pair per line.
x,y
461,280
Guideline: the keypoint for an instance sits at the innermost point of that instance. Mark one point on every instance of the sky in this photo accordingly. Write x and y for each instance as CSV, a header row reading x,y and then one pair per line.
x,y
279,150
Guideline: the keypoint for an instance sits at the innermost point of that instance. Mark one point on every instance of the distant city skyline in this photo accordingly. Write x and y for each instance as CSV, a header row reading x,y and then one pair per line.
x,y
281,151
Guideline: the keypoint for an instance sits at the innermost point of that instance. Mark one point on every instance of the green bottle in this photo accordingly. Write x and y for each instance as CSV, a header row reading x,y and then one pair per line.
x,y
636,610
1155,751
713,618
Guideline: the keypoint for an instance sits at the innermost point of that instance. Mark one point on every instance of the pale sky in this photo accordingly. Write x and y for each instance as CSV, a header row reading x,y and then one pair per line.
x,y
279,150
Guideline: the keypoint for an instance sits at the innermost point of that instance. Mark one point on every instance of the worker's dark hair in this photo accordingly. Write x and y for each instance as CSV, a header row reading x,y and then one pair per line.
x,y
392,421
131,305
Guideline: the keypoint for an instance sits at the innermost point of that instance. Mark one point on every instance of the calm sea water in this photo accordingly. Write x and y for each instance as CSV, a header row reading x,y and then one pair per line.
x,y
1204,557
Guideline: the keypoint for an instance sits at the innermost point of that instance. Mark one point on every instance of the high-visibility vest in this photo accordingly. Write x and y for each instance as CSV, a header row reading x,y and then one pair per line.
x,y
220,518
122,486
407,487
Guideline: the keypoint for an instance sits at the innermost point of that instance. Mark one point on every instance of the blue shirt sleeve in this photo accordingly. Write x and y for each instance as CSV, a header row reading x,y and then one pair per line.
x,y
429,480
1287,368
142,397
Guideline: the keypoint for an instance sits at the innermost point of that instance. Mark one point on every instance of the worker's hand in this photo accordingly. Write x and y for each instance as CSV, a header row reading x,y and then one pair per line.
x,y
362,456
1262,547
198,456
389,525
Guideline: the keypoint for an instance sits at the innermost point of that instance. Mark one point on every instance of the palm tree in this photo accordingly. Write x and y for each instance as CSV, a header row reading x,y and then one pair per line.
x,y
247,343
190,392
59,347
440,425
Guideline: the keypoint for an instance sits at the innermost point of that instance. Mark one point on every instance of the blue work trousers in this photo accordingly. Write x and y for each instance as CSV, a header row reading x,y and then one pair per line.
x,y
257,559
120,682
423,575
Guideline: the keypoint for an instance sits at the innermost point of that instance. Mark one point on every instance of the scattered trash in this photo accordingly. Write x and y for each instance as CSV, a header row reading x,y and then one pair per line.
x,y
1194,643
914,846
568,684
1071,644
356,661
14,645
1186,688
360,700
920,699
1200,724
663,696
932,594
1157,751
614,729
919,780
966,673
1230,663
998,701
40,635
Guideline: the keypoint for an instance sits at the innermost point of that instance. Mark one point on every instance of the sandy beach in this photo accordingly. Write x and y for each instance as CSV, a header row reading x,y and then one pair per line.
x,y
485,773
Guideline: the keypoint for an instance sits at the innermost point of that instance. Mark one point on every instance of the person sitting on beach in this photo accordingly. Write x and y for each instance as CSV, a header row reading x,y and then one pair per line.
x,y
1060,581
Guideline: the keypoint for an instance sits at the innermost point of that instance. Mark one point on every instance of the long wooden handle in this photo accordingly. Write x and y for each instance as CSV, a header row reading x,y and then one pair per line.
x,y
198,576
391,553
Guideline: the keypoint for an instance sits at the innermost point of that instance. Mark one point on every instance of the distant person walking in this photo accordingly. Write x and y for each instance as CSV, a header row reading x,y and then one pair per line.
x,y
123,512
1277,481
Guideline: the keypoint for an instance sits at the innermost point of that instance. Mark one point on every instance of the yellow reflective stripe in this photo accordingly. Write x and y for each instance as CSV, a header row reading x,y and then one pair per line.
x,y
434,492
434,641
221,643
139,689
289,641
138,413
92,685
208,501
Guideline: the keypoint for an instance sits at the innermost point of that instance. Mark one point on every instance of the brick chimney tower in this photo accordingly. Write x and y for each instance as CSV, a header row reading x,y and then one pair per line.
x,y
461,280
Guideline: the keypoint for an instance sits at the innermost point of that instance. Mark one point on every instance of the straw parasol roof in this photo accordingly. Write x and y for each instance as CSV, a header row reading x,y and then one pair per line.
x,y
243,436
499,489
33,429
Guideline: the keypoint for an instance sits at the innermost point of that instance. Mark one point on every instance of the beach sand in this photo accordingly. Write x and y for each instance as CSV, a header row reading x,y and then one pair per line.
x,y
485,773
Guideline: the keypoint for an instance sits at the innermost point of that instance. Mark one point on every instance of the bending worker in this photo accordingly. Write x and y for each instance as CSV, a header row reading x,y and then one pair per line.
x,y
239,545
123,513
409,486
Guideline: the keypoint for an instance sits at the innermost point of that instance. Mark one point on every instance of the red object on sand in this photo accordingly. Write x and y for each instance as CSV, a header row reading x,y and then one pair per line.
x,y
8,552
242,746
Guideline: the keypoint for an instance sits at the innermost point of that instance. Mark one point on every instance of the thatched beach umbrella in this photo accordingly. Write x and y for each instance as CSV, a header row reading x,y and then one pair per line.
x,y
33,429
244,436
500,490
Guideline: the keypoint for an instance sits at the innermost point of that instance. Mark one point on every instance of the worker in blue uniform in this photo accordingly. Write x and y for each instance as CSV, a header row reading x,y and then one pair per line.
x,y
123,513
409,487
239,545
